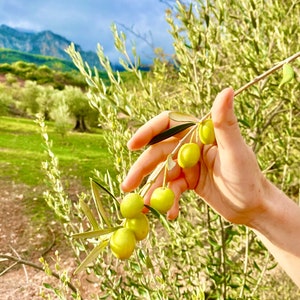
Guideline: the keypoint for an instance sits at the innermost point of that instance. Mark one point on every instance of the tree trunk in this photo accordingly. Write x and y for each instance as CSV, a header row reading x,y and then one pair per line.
x,y
80,125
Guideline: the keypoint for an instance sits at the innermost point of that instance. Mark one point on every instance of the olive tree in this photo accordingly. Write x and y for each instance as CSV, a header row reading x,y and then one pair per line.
x,y
217,44
79,108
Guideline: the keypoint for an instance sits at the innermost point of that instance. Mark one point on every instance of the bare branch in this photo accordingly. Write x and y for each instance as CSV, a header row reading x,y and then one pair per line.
x,y
35,266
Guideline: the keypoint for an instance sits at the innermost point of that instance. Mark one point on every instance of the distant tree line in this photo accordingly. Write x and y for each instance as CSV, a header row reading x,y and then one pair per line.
x,y
26,90
43,74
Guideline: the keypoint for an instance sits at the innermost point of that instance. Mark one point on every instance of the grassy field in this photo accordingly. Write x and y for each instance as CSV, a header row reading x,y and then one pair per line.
x,y
22,152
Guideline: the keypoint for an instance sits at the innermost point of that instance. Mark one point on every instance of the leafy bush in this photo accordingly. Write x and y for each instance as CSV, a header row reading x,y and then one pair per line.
x,y
43,74
6,100
217,44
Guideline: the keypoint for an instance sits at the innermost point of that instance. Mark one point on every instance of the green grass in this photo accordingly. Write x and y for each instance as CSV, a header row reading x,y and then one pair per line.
x,y
22,152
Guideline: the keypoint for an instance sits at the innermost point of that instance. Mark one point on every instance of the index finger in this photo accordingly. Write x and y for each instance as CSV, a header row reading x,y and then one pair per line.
x,y
150,129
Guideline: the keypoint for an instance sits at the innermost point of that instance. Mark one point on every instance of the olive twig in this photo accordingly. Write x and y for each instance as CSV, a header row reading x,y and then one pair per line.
x,y
21,261
267,73
161,166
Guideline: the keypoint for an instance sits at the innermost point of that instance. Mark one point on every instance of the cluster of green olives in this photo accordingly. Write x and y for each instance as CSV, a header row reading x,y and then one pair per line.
x,y
136,226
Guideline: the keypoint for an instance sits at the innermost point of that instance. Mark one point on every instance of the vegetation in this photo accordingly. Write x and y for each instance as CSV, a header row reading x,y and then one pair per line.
x,y
27,89
65,107
10,56
42,74
49,70
199,255
22,152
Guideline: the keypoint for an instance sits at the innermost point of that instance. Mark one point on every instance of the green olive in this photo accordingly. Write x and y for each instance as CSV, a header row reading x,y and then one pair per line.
x,y
188,155
131,205
122,243
207,132
162,199
139,225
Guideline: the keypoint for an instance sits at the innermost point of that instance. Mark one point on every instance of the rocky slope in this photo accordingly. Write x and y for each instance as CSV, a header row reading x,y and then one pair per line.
x,y
44,43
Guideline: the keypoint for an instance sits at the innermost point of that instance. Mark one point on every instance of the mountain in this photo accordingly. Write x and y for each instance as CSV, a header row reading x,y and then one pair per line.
x,y
44,43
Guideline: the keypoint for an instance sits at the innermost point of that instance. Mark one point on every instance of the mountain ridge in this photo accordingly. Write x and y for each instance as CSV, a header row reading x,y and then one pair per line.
x,y
46,43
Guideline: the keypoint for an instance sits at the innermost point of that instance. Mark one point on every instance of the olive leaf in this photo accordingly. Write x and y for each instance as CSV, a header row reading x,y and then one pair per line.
x,y
89,214
94,233
181,117
97,200
287,74
145,258
170,132
106,190
92,255
161,217
148,262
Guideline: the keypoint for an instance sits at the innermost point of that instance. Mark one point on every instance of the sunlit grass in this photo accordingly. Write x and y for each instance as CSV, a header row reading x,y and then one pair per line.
x,y
22,152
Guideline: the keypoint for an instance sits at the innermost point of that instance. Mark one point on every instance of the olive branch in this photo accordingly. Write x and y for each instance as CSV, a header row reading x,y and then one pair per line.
x,y
189,123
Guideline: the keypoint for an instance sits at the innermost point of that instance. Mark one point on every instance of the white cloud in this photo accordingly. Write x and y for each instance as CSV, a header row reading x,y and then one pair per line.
x,y
89,22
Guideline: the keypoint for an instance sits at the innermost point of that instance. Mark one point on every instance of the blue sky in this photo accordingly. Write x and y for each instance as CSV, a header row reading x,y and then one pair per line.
x,y
88,22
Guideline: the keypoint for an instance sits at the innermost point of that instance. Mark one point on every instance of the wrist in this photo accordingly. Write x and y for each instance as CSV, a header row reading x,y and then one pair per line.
x,y
279,219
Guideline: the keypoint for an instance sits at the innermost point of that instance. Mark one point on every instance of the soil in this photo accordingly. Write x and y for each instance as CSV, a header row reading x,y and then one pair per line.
x,y
28,235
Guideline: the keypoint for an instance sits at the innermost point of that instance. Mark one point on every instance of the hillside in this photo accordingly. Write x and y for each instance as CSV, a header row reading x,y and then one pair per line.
x,y
11,56
45,43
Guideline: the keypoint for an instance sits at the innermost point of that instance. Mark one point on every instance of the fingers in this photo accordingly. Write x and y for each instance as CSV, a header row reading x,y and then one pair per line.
x,y
146,163
225,122
178,186
209,156
145,133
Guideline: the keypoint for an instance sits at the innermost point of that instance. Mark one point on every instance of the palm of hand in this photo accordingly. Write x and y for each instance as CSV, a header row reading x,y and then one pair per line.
x,y
227,186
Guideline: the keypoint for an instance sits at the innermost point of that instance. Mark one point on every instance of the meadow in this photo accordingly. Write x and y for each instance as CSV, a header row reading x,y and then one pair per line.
x,y
22,152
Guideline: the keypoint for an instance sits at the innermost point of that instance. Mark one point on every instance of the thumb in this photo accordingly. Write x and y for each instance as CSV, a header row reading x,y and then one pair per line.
x,y
227,130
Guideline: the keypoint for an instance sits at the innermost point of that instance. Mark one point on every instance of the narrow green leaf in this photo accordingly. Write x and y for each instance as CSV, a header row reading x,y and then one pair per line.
x,y
94,233
106,190
89,214
92,256
153,210
214,243
287,74
188,46
89,82
244,122
170,132
256,266
97,199
148,262
181,117
47,286
161,217
274,265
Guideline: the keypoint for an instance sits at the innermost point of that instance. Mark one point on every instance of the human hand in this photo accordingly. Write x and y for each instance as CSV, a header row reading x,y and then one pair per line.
x,y
227,175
